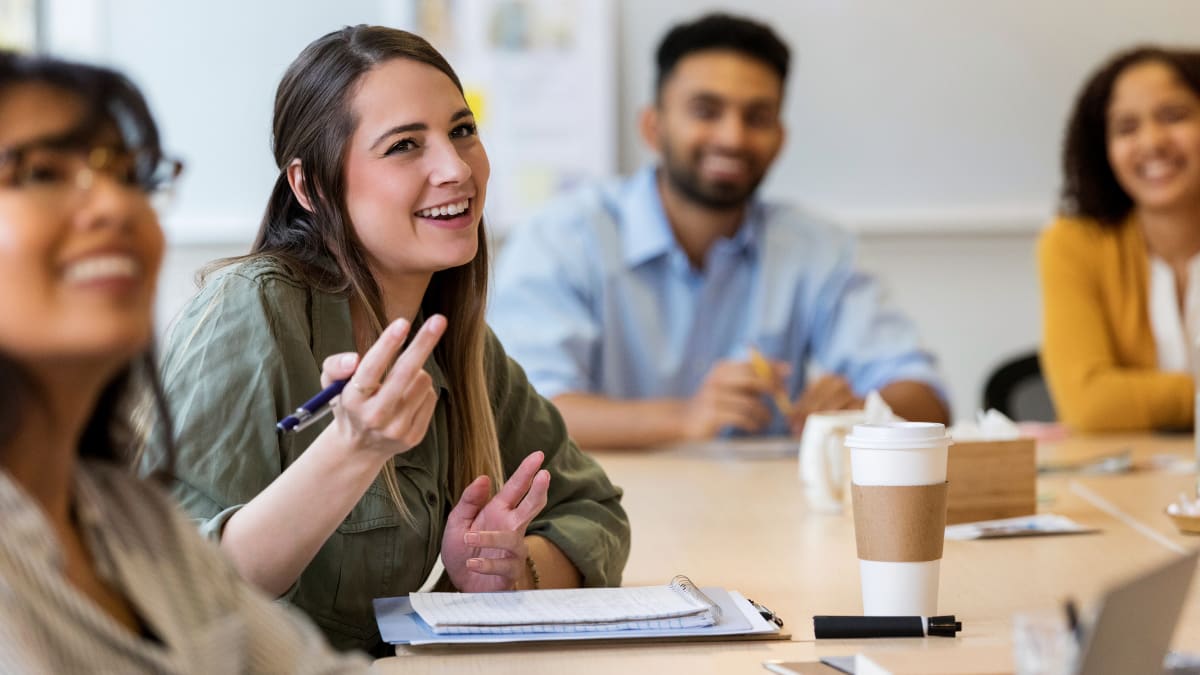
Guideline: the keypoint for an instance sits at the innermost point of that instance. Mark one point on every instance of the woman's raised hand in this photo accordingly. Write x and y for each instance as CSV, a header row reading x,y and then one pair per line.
x,y
483,546
389,400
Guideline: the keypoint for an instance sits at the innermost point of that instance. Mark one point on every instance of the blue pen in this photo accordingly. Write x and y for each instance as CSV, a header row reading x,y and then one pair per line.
x,y
313,409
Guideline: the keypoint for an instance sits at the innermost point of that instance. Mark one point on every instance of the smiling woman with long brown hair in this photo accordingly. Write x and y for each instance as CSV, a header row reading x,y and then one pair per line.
x,y
371,264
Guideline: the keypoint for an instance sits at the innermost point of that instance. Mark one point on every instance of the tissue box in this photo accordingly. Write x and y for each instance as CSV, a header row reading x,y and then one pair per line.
x,y
991,479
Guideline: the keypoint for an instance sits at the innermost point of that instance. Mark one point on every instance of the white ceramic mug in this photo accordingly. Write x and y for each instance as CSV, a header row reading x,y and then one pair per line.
x,y
823,462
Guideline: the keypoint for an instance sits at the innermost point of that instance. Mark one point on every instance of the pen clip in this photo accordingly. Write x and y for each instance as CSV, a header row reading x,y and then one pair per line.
x,y
766,613
313,418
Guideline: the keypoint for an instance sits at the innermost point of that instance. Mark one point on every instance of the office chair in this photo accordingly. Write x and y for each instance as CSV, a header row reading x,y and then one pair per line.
x,y
1017,389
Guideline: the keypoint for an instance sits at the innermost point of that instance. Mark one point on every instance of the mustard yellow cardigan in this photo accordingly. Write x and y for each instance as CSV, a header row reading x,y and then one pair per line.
x,y
1098,351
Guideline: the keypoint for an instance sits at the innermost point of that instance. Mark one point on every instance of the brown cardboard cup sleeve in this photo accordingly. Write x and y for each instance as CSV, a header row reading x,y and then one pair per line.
x,y
905,523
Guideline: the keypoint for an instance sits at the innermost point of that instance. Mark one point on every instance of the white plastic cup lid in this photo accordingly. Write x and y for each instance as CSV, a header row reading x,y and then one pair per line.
x,y
898,436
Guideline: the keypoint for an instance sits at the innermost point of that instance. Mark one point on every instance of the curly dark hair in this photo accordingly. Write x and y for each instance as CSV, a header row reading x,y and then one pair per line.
x,y
1090,188
111,433
721,31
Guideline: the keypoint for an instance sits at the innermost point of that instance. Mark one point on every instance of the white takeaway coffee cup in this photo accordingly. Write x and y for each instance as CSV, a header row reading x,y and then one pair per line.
x,y
898,471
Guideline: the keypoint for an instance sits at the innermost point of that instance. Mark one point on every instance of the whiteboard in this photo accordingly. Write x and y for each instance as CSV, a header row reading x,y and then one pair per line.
x,y
209,71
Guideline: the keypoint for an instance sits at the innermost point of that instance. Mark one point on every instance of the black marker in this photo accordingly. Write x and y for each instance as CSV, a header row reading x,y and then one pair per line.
x,y
884,626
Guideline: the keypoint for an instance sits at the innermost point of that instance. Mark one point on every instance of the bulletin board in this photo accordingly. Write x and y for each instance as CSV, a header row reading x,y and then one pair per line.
x,y
541,73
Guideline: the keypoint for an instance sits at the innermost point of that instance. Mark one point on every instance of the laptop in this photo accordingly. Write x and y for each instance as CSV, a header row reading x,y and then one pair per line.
x,y
1136,620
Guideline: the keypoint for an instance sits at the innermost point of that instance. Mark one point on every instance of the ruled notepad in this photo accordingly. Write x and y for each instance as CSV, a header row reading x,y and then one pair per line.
x,y
678,604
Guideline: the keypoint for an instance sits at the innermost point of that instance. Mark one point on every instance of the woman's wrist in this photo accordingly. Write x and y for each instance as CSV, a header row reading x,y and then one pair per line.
x,y
554,569
531,573
349,453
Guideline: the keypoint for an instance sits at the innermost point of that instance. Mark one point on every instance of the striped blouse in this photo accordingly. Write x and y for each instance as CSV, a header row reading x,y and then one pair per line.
x,y
205,618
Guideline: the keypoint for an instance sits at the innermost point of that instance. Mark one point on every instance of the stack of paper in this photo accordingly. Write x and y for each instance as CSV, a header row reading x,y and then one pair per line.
x,y
539,616
570,610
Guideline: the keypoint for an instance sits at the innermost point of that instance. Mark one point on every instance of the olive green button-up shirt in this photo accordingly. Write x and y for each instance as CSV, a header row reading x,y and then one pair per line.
x,y
248,349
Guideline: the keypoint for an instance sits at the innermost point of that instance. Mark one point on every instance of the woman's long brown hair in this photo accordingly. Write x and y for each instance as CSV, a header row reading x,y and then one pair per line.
x,y
313,123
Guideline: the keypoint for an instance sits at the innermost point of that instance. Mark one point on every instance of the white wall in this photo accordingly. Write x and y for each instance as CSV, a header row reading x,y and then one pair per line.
x,y
922,115
974,296
931,127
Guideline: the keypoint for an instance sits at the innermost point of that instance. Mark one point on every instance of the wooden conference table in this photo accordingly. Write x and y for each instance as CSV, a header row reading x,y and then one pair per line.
x,y
733,515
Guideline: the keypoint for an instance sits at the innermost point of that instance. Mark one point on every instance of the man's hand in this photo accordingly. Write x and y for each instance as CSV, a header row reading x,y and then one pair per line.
x,y
731,396
826,393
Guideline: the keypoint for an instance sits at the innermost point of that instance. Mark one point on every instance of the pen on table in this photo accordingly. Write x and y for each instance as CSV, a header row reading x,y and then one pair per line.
x,y
884,626
313,409
764,370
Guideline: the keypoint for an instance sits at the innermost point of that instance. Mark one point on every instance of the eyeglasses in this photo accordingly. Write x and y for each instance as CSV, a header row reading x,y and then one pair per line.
x,y
60,174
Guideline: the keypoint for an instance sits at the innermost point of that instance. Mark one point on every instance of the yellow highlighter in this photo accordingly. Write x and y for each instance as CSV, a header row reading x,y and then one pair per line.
x,y
763,369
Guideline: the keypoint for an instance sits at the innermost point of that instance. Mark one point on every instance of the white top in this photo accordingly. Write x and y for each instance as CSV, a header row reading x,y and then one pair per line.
x,y
1171,332
205,618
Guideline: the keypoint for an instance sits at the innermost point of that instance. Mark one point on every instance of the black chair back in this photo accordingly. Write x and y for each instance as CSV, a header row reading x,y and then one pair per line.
x,y
1017,389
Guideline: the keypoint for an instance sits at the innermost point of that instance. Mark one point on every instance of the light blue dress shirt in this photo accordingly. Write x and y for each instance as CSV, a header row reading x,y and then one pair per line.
x,y
595,295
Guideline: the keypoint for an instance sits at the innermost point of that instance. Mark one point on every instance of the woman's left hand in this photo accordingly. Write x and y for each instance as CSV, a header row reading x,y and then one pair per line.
x,y
483,546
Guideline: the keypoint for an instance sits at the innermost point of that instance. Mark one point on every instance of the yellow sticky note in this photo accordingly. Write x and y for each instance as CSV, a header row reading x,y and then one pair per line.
x,y
475,101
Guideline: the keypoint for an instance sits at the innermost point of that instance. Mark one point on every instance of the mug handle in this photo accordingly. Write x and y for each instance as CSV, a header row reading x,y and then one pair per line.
x,y
833,461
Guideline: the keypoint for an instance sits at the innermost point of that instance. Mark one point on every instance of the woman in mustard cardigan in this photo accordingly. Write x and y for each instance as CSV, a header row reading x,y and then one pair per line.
x,y
1120,267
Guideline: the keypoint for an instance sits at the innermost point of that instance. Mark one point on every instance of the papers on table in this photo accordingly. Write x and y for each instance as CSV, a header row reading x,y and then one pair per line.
x,y
568,610
400,624
1023,526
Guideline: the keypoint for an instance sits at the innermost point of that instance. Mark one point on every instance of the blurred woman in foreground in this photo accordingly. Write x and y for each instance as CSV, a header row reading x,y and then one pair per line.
x,y
99,572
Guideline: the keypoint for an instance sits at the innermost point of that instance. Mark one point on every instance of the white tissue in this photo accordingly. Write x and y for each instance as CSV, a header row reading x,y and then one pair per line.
x,y
990,426
877,411
1184,506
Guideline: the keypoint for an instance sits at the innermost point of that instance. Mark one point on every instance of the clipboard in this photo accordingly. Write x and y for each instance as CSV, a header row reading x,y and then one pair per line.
x,y
739,619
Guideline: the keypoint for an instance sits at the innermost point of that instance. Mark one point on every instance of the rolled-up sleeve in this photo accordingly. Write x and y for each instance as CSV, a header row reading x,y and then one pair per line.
x,y
858,333
583,515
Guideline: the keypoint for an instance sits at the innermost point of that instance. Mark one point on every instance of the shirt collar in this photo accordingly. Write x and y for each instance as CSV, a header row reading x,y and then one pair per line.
x,y
646,233
27,531
750,233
